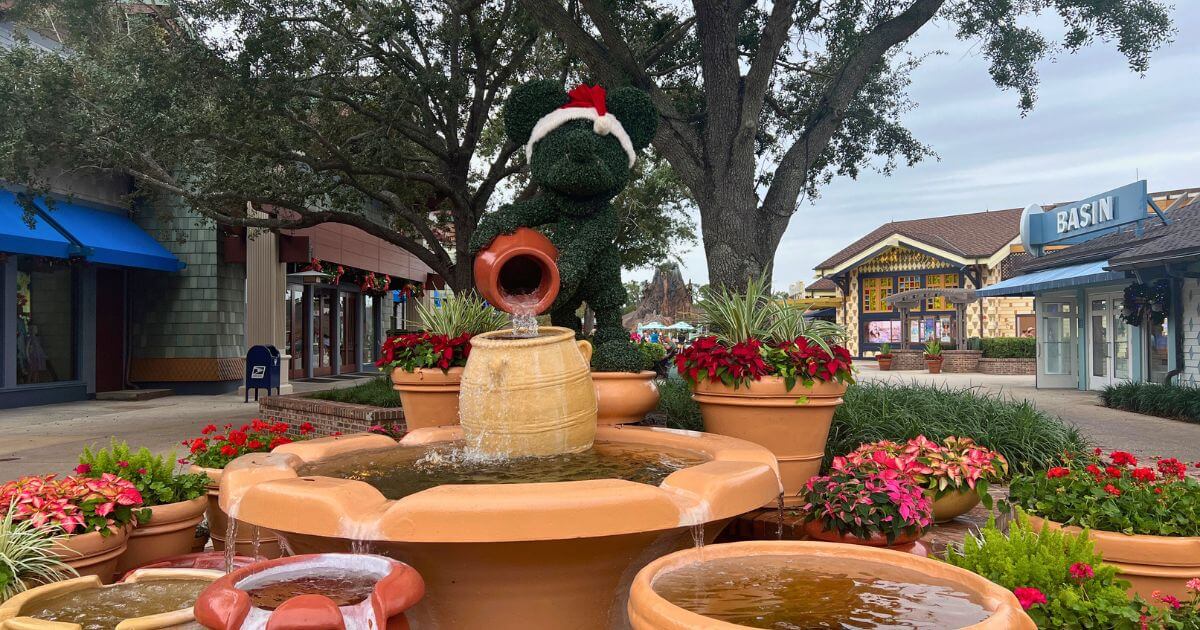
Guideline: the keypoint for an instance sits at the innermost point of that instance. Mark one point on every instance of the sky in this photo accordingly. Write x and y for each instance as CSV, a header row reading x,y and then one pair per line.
x,y
1096,126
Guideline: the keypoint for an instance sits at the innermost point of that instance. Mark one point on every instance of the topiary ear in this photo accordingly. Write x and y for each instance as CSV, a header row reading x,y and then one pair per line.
x,y
637,114
527,104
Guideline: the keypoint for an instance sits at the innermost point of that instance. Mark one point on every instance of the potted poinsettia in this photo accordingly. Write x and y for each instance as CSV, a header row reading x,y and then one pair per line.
x,y
1145,519
175,501
933,355
426,367
212,451
873,502
627,393
95,515
768,374
884,357
956,472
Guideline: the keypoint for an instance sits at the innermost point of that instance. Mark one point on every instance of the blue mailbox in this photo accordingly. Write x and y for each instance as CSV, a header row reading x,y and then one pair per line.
x,y
262,370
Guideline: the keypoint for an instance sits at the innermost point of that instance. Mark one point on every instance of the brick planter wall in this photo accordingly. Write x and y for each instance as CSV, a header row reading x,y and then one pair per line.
x,y
908,360
958,361
326,416
1025,367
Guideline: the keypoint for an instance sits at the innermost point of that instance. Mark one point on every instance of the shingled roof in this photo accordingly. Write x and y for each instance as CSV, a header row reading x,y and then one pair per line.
x,y
821,284
974,235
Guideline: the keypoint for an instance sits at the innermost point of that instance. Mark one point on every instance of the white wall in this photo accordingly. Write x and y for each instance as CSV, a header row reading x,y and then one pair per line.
x,y
1191,332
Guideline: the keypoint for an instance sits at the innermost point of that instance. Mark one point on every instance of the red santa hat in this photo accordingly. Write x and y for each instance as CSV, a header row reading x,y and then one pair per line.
x,y
586,103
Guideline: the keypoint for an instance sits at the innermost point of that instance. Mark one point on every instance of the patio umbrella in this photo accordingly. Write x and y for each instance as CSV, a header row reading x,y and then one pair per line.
x,y
653,326
681,326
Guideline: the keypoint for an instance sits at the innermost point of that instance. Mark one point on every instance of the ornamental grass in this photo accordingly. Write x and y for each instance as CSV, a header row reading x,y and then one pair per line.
x,y
1166,401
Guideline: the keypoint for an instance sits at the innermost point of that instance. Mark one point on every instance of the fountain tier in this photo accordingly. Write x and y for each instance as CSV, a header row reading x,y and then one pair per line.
x,y
507,555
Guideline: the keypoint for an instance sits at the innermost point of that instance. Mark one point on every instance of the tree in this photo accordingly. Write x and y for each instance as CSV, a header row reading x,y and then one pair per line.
x,y
763,104
633,289
285,114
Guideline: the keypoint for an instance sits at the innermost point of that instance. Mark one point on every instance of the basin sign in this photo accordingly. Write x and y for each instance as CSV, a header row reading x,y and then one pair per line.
x,y
1084,219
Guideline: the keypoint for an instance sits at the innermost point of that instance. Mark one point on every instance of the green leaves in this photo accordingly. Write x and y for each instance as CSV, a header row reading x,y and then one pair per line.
x,y
153,475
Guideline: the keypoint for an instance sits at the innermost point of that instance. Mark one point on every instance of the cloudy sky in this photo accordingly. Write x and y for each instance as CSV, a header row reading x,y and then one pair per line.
x,y
1096,126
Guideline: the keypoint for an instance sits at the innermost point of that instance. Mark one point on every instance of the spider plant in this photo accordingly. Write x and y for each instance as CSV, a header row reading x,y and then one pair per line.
x,y
27,556
788,322
933,347
466,313
735,316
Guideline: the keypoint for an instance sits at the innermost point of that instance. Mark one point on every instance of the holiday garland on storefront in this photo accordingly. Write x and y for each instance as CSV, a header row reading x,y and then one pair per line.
x,y
1146,301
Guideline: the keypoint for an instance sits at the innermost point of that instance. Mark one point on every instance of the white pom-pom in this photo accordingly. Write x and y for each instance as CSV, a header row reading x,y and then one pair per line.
x,y
603,125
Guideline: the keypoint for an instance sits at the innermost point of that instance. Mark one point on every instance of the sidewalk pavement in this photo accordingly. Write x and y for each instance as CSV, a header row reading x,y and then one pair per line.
x,y
49,438
1144,436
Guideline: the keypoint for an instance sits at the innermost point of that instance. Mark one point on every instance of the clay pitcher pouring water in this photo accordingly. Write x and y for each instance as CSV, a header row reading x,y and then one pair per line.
x,y
525,392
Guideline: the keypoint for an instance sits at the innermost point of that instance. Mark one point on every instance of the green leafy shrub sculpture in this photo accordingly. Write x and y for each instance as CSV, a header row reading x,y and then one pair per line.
x,y
1057,577
581,147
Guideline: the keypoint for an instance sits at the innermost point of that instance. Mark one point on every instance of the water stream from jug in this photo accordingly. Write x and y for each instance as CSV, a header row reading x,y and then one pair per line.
x,y
524,317
230,542
779,527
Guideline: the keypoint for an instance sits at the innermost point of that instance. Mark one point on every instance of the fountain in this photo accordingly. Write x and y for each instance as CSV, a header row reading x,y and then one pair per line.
x,y
527,514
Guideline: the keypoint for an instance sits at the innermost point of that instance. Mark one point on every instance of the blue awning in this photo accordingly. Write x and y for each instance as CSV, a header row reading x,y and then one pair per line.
x,y
1048,279
17,237
111,239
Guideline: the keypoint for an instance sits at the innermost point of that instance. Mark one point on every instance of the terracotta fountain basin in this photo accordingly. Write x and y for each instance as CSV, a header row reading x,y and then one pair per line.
x,y
515,555
992,607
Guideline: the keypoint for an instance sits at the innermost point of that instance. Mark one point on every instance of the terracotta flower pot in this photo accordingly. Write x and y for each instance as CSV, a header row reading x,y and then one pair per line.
x,y
524,263
817,531
226,606
428,396
953,504
218,523
529,396
170,531
211,560
767,413
934,365
650,611
885,363
1150,563
11,611
93,553
624,397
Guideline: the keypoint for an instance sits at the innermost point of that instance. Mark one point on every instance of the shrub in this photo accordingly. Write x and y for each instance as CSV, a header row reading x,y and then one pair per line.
x,y
1028,438
1114,494
1058,577
676,404
376,392
27,556
1009,347
153,475
215,449
1166,401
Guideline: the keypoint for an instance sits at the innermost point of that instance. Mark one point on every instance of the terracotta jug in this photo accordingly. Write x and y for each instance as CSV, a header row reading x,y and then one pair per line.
x,y
518,272
525,397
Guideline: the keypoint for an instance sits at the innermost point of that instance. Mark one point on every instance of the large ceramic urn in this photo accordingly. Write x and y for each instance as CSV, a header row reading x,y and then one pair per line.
x,y
528,396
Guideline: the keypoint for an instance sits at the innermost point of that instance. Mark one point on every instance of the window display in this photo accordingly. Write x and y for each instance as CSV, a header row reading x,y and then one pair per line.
x,y
887,331
45,320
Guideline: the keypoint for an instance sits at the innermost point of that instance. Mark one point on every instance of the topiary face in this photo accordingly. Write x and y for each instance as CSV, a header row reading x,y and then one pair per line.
x,y
573,160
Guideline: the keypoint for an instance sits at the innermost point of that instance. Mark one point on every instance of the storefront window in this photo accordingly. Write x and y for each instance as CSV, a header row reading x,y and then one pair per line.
x,y
369,315
874,291
885,331
1058,339
1158,353
45,321
940,281
940,327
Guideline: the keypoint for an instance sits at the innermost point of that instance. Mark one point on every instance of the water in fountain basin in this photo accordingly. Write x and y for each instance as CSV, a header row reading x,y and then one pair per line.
x,y
400,471
784,591
344,587
104,608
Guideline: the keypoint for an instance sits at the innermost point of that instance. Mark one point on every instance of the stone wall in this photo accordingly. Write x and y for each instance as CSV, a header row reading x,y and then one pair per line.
x,y
1008,366
327,416
188,325
958,361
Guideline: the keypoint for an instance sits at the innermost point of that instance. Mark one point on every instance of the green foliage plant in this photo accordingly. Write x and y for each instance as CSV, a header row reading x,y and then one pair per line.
x,y
1079,590
1009,347
933,349
865,499
578,173
676,405
27,556
885,351
460,314
1028,438
376,392
154,476
1179,402
1113,493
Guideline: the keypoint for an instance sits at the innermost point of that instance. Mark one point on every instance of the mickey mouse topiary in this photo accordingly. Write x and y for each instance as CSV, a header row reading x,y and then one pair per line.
x,y
581,148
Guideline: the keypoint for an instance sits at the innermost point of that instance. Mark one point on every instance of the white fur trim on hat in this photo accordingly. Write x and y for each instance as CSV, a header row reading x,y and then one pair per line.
x,y
602,125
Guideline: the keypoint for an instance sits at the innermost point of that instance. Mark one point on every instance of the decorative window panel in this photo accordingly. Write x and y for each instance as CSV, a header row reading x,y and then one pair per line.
x,y
874,291
940,281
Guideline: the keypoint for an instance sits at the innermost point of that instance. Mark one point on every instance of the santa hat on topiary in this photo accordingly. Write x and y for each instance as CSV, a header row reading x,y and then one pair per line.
x,y
585,103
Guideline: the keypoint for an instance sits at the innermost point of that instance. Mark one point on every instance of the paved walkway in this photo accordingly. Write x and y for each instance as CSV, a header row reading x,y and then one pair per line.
x,y
49,438
1144,436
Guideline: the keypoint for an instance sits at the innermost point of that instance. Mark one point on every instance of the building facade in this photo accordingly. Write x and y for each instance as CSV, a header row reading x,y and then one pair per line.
x,y
1121,301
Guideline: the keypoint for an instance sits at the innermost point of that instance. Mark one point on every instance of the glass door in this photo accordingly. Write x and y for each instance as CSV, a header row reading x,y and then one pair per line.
x,y
322,331
348,333
1056,344
294,329
1108,342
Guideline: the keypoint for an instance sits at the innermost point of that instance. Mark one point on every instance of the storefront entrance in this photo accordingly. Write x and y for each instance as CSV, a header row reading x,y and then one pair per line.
x,y
1108,342
1056,343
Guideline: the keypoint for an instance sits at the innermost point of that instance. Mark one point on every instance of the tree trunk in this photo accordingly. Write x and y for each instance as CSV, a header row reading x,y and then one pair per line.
x,y
461,278
740,237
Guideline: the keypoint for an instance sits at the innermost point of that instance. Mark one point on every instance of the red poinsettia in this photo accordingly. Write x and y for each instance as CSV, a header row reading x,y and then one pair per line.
x,y
739,364
411,351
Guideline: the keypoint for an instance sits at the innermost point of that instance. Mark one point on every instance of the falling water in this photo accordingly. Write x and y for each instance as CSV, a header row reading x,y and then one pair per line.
x,y
524,315
230,543
254,542
779,527
360,546
285,548
698,535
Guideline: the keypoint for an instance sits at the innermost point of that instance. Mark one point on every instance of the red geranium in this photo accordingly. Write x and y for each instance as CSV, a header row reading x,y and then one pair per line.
x,y
1029,596
217,450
